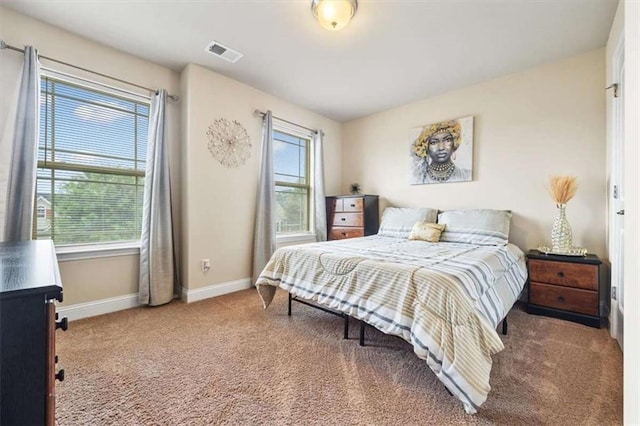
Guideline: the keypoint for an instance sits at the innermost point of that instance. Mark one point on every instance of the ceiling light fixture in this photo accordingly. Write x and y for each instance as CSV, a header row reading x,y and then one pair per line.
x,y
334,15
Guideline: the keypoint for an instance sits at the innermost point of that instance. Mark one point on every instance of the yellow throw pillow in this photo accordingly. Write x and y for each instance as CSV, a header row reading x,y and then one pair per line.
x,y
427,231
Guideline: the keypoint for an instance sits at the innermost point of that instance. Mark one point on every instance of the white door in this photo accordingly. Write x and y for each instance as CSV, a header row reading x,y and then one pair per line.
x,y
617,204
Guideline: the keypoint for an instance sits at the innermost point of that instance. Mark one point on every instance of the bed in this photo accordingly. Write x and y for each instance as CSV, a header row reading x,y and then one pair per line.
x,y
446,298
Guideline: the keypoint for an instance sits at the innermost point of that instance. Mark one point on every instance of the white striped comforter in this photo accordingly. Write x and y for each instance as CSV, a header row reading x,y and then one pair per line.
x,y
446,299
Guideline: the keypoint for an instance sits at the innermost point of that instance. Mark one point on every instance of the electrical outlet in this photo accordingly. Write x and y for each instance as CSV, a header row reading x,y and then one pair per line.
x,y
206,265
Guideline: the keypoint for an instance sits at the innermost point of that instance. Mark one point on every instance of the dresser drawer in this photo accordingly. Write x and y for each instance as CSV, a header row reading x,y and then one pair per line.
x,y
348,219
335,205
566,298
565,274
342,233
352,216
352,205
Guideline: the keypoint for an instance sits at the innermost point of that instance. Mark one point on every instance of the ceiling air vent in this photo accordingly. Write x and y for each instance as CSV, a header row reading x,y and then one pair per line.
x,y
223,51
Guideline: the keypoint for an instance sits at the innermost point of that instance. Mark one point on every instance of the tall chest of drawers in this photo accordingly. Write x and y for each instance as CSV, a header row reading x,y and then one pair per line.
x,y
31,284
352,216
566,287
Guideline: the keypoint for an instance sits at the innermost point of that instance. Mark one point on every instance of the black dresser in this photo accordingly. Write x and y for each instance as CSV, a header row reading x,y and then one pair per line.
x,y
30,286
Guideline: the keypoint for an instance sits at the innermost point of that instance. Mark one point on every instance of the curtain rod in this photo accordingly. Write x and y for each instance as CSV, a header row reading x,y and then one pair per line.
x,y
4,45
258,112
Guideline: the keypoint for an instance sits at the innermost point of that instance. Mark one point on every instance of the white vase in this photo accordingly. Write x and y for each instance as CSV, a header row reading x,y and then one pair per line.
x,y
561,237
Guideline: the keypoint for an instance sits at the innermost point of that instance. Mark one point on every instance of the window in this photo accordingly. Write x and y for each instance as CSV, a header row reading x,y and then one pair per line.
x,y
91,164
291,168
42,212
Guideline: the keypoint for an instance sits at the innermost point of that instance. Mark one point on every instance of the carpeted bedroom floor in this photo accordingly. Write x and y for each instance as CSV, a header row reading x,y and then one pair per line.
x,y
228,361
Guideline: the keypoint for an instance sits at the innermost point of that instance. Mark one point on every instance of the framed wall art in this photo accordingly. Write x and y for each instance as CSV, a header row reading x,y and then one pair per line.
x,y
442,152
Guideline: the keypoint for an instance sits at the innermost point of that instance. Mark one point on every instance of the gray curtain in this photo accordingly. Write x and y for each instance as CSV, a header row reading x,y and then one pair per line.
x,y
157,264
318,182
21,182
264,236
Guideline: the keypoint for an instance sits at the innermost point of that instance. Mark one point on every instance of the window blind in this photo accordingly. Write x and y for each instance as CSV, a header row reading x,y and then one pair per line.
x,y
91,165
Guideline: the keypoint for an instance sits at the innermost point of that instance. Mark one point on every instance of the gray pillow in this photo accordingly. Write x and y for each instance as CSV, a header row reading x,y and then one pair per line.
x,y
479,226
398,221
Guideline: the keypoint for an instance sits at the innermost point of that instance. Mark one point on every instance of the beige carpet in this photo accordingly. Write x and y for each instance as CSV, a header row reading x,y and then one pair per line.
x,y
228,361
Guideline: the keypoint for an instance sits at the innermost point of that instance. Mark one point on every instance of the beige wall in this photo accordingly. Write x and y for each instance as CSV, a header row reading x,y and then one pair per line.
x,y
219,202
528,126
93,279
89,280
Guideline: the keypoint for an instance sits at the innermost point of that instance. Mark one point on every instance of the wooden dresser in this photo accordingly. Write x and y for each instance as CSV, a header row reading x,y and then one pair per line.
x,y
566,287
351,216
30,286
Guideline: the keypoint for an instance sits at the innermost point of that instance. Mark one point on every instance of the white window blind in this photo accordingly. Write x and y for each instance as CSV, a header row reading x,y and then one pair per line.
x,y
292,181
91,164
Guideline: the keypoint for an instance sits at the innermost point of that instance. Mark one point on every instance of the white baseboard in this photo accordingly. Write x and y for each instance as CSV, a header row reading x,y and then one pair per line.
x,y
114,304
98,307
215,290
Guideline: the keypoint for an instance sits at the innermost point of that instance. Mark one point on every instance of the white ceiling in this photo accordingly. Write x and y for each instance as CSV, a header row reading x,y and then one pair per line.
x,y
392,53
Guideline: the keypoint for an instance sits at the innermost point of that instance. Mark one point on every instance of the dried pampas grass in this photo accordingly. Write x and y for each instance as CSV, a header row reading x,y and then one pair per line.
x,y
562,188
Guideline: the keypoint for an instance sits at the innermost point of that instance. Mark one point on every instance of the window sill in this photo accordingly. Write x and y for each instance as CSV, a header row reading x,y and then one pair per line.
x,y
96,251
295,238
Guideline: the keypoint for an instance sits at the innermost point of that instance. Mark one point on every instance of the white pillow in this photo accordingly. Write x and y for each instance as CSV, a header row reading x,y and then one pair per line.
x,y
398,221
480,226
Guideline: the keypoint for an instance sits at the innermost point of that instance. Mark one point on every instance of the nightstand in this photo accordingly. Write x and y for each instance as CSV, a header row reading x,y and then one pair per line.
x,y
565,287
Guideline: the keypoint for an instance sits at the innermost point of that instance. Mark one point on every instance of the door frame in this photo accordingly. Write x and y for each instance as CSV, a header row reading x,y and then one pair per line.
x,y
616,178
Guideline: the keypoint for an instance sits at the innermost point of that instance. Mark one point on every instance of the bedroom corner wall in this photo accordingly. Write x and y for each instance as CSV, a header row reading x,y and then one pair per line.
x,y
528,126
219,202
90,280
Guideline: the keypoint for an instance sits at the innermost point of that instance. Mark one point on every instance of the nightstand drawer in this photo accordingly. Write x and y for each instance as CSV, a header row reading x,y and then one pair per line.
x,y
565,274
566,298
342,233
348,219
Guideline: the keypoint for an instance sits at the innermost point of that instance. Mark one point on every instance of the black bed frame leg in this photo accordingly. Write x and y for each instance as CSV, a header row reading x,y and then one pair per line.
x,y
289,307
362,326
504,326
346,326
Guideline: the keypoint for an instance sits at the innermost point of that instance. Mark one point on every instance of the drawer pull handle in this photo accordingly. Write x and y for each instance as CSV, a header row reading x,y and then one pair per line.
x,y
60,375
343,219
561,299
344,234
560,274
63,324
353,205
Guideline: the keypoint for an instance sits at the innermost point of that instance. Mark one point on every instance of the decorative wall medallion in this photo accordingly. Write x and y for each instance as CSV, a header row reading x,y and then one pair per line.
x,y
229,142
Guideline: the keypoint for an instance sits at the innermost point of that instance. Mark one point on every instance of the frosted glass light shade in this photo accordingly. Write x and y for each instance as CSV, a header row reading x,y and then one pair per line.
x,y
334,15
